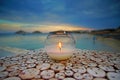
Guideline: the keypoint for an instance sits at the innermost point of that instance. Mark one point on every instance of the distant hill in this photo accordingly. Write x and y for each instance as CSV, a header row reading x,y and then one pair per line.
x,y
36,32
21,32
76,31
108,33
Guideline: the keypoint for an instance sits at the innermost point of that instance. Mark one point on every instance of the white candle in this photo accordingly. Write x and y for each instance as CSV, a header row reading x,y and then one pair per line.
x,y
59,53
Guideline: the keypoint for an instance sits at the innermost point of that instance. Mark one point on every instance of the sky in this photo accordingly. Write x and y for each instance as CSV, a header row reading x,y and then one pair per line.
x,y
51,15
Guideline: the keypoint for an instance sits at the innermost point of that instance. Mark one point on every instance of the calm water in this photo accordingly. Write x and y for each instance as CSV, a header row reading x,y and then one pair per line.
x,y
36,41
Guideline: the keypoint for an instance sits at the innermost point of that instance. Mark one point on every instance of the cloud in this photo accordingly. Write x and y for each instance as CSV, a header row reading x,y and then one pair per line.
x,y
75,12
9,27
102,9
53,5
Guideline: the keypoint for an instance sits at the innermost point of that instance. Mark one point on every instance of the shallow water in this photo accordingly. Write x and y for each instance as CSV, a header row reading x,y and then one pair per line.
x,y
36,41
87,41
4,53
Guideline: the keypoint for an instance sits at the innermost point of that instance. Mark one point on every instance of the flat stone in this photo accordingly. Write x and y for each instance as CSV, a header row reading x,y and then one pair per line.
x,y
12,78
113,76
68,79
100,79
43,66
47,74
96,72
2,68
57,66
29,73
3,74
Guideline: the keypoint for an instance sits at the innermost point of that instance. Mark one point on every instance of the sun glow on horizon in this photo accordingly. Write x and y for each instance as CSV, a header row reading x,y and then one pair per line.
x,y
45,28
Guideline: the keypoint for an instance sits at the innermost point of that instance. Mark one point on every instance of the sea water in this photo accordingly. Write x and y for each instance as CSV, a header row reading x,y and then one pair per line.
x,y
36,41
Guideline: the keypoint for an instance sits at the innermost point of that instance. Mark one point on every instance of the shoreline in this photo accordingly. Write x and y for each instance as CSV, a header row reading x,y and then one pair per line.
x,y
114,43
20,51
36,65
12,51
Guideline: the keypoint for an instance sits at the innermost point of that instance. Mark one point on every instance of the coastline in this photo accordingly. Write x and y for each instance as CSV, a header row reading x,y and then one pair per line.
x,y
114,43
10,51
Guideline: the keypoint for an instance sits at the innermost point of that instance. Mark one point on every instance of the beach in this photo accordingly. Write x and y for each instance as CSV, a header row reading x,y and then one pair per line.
x,y
83,65
114,43
60,40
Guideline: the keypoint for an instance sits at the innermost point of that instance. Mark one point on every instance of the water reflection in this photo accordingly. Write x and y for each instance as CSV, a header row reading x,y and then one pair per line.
x,y
83,41
23,41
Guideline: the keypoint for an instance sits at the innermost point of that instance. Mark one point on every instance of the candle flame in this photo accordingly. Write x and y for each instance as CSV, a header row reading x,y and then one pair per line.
x,y
60,45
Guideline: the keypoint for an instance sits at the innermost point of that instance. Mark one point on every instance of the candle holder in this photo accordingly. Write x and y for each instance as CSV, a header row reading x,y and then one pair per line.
x,y
59,45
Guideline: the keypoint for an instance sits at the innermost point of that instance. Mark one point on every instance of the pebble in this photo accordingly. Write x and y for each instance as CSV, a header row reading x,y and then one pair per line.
x,y
106,68
79,69
68,79
78,76
3,74
68,73
47,74
96,72
92,64
12,78
60,75
100,79
43,66
31,65
87,77
57,67
12,68
29,73
14,73
113,76
31,61
2,68
117,66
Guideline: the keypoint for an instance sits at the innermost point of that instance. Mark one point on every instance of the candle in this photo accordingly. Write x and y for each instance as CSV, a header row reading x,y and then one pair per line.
x,y
60,53
59,45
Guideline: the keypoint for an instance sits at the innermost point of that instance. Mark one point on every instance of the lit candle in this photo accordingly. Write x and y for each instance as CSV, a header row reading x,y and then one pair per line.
x,y
59,45
61,52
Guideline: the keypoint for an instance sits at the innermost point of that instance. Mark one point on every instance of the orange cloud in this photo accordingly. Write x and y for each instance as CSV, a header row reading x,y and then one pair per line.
x,y
9,27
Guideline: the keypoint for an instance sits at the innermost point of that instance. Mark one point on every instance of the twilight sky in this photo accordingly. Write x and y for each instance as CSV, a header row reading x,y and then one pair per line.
x,y
50,15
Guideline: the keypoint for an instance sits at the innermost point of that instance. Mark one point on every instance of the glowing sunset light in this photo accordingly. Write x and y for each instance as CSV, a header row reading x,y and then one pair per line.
x,y
40,27
49,28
